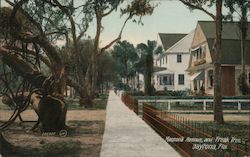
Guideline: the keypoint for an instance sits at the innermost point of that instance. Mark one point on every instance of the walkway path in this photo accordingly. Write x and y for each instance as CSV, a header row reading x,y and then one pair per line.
x,y
126,135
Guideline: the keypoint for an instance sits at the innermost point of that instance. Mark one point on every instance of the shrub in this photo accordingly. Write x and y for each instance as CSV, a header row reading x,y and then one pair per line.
x,y
172,93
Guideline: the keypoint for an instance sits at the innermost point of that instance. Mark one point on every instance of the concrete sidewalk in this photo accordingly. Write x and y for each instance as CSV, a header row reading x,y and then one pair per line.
x,y
126,135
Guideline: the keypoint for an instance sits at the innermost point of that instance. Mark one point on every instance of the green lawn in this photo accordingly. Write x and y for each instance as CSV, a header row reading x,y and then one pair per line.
x,y
99,103
238,129
232,130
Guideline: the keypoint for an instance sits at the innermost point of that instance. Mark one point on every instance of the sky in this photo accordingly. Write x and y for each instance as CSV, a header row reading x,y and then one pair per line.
x,y
170,16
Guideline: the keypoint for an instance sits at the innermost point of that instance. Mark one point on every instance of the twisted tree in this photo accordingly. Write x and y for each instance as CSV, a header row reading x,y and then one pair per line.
x,y
17,39
29,32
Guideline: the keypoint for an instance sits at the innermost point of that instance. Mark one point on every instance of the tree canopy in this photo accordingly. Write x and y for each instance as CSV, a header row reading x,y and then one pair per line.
x,y
125,55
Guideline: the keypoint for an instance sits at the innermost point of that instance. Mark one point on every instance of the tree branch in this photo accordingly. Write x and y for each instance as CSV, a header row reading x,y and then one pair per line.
x,y
81,34
55,32
193,6
109,12
17,63
118,38
28,37
72,22
44,59
19,8
59,30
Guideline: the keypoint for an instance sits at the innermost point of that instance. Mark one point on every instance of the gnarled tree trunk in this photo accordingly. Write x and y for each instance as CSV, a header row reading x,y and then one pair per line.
x,y
50,108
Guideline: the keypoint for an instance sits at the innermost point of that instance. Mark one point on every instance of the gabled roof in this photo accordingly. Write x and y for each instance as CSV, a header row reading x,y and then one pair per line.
x,y
230,30
231,44
231,51
183,45
169,40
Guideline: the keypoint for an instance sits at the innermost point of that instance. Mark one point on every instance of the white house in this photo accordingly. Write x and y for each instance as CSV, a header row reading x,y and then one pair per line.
x,y
176,60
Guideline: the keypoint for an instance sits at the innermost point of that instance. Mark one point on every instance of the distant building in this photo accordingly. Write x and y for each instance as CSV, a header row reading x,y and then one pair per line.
x,y
202,58
175,59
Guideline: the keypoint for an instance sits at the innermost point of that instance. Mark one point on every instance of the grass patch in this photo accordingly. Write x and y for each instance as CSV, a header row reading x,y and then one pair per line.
x,y
63,148
73,104
98,103
239,130
229,129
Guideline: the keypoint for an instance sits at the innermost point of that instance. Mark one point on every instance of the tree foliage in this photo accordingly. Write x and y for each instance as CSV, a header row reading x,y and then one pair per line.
x,y
125,56
107,71
200,5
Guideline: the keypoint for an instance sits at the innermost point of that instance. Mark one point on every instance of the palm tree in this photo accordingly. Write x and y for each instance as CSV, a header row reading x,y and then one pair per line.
x,y
147,52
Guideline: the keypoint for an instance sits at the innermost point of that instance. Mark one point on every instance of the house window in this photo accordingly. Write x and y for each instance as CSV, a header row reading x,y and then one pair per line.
x,y
200,53
166,59
179,58
181,79
160,62
197,52
167,79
